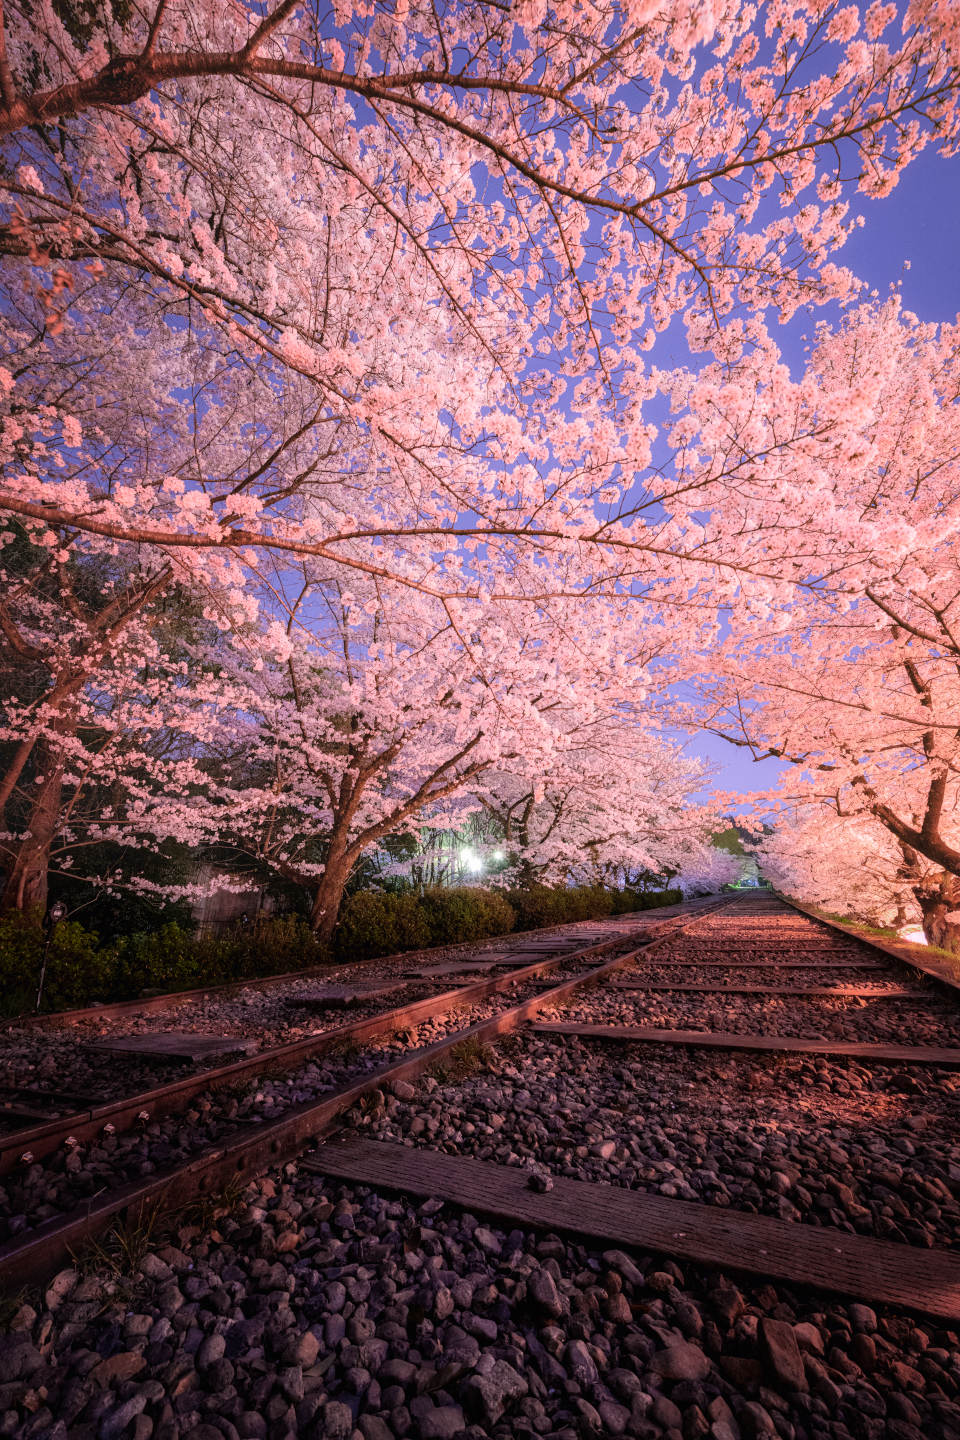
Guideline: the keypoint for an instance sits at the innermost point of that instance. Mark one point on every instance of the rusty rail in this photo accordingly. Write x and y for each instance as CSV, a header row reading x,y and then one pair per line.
x,y
31,1257
85,1124
144,1005
905,951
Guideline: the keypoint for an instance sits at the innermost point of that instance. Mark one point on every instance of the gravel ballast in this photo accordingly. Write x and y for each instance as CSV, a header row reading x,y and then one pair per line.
x,y
306,1307
343,1313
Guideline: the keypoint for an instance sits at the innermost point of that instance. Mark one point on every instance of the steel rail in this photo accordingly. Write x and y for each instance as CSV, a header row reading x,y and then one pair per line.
x,y
87,1123
31,1257
905,951
168,999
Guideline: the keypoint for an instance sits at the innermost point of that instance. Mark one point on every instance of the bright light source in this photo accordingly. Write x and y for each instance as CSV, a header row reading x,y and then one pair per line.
x,y
498,855
471,860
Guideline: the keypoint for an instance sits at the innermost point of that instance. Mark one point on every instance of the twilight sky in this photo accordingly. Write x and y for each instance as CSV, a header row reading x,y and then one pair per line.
x,y
920,223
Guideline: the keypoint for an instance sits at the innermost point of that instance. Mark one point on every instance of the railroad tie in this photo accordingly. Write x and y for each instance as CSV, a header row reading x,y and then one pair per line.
x,y
770,1044
177,1045
828,1259
818,992
729,964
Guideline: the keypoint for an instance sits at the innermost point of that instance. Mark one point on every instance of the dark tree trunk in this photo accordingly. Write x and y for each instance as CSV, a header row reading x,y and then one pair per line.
x,y
28,863
938,896
328,898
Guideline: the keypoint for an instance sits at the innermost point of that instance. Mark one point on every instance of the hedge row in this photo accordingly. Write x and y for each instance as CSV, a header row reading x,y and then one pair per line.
x,y
374,923
380,924
80,971
543,905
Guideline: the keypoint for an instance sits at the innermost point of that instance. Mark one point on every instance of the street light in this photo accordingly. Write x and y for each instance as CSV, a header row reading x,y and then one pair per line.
x,y
54,915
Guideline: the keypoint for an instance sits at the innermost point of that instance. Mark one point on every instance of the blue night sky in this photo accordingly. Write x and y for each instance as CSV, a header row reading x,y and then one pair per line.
x,y
918,222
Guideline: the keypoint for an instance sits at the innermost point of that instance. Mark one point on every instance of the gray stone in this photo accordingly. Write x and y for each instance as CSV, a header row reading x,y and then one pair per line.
x,y
580,1363
809,1337
119,1418
665,1413
18,1359
681,1361
614,1418
59,1288
487,1240
623,1265
397,1371
542,1290
372,1427
489,1395
782,1353
441,1422
756,1422
337,1420
122,1366
303,1350
212,1349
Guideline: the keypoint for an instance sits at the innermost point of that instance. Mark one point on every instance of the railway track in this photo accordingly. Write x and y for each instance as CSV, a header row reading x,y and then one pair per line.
x,y
66,1177
446,955
489,1234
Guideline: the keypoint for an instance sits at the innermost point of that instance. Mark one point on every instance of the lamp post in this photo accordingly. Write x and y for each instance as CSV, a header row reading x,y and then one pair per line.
x,y
52,919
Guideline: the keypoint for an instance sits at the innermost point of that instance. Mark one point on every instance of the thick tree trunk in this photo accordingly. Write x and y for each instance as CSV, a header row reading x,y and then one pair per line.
x,y
27,862
328,898
938,896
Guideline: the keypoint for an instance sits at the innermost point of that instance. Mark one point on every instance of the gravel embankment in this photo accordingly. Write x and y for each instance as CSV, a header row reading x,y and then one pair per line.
x,y
65,1058
925,1019
871,1149
339,1313
38,1189
334,1312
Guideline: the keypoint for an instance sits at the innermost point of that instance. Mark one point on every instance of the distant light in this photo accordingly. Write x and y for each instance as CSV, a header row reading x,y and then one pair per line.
x,y
498,855
471,860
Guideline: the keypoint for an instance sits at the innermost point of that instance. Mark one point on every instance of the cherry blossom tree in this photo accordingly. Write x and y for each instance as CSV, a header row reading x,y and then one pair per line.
x,y
368,715
92,707
372,289
619,802
842,657
846,865
459,226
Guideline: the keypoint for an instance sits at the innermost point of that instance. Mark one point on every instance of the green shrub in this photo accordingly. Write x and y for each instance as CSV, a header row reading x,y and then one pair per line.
x,y
629,900
380,923
285,942
543,905
374,923
76,969
172,959
558,905
79,970
466,913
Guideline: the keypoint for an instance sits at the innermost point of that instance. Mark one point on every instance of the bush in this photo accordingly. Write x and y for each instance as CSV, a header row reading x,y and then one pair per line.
x,y
548,905
380,923
467,913
543,905
76,969
372,923
629,900
172,959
